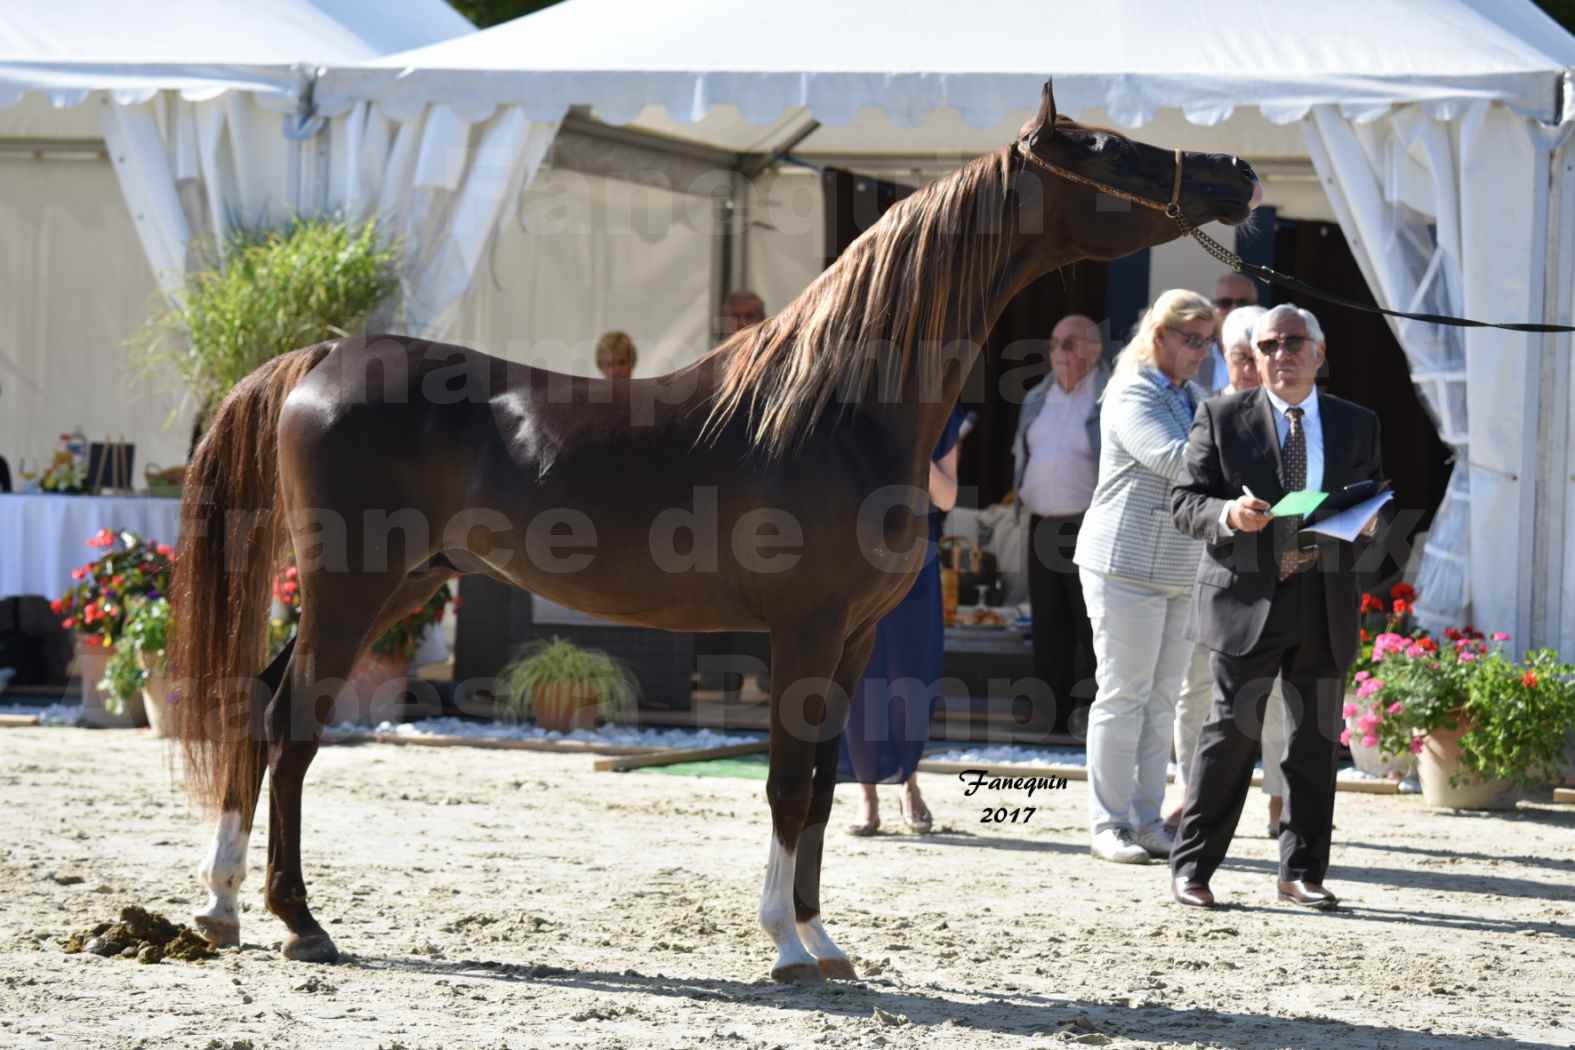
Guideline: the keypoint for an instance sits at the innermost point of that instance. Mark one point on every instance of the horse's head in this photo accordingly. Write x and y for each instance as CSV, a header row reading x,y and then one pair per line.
x,y
1112,195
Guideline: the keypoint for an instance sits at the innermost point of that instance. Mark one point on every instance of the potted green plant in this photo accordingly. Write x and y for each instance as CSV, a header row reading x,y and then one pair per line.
x,y
267,292
137,663
1386,626
371,695
1484,728
94,610
564,687
1515,723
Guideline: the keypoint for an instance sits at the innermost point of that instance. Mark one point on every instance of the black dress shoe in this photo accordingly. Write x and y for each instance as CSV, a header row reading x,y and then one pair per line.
x,y
1308,895
1191,893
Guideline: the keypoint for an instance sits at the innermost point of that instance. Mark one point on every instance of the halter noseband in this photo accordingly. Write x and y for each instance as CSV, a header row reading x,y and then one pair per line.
x,y
1171,210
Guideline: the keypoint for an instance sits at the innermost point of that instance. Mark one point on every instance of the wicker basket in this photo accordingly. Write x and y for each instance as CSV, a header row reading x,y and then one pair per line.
x,y
166,482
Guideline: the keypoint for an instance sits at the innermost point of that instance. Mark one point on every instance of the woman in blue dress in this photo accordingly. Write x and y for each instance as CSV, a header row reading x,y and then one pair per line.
x,y
888,728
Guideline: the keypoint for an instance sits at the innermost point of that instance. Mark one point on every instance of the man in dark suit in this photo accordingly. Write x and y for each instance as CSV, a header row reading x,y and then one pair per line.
x,y
1268,603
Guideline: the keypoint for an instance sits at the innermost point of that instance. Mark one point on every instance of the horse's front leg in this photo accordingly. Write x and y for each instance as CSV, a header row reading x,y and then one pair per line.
x,y
804,657
830,959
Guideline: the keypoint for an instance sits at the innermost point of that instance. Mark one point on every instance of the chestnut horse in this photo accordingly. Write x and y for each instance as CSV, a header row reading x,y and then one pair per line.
x,y
392,464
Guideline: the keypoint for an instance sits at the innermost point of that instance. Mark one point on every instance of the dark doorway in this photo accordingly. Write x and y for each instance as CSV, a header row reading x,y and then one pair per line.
x,y
1014,359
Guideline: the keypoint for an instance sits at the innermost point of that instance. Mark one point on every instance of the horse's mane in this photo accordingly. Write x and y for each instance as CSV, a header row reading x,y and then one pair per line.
x,y
883,303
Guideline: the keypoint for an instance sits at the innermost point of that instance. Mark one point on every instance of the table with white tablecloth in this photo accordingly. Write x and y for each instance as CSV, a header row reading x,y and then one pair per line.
x,y
44,536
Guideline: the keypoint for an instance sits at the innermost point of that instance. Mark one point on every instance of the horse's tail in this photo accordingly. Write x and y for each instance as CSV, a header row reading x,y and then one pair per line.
x,y
231,517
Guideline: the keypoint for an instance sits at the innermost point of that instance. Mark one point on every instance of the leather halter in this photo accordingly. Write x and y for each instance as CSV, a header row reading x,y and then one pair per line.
x,y
1172,210
1264,273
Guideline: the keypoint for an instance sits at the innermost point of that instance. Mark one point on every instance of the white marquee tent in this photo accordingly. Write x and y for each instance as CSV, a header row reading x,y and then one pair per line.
x,y
1435,131
81,85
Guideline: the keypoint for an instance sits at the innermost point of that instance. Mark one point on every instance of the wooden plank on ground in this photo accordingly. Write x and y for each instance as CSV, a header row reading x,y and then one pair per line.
x,y
15,721
1564,795
562,747
677,755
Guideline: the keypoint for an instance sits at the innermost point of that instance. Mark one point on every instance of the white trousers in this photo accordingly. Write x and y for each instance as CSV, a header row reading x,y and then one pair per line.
x,y
1192,710
1141,655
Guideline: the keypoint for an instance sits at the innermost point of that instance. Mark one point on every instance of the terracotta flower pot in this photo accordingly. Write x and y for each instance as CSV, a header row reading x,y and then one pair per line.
x,y
156,698
374,693
563,707
90,663
1440,758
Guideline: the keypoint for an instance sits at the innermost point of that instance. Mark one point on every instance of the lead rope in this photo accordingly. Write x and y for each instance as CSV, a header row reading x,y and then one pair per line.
x,y
1238,264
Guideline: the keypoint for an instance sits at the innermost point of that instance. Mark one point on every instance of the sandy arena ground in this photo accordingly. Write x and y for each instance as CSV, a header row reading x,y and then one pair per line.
x,y
514,899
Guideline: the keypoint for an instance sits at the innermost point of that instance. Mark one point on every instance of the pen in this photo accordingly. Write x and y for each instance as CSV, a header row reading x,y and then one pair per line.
x,y
1245,491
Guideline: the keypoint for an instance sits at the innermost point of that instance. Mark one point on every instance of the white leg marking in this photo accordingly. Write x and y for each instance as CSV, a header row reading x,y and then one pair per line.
x,y
222,872
818,941
776,910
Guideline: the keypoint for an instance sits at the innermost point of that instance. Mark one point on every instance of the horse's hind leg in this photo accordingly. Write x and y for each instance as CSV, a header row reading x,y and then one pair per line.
x,y
224,869
338,615
832,961
801,657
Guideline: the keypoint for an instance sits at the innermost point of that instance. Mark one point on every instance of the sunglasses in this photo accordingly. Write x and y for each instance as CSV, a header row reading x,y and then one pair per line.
x,y
1193,342
1291,344
1069,343
1231,304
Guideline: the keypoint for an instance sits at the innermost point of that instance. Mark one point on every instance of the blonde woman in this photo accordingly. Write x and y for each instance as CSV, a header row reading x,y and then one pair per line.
x,y
1137,573
615,355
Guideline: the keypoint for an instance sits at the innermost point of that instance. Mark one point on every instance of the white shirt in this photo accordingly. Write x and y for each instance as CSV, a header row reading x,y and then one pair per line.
x,y
1312,431
1061,473
1312,428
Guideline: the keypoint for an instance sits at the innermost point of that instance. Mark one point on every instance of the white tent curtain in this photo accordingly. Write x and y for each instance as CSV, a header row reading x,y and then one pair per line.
x,y
1441,208
436,180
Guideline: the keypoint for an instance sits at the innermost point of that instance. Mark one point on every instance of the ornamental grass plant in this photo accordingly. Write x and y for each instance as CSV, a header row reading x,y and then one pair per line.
x,y
540,666
271,291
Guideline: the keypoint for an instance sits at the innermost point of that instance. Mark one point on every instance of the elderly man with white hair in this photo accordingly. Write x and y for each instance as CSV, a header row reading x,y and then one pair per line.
x,y
1271,601
1197,692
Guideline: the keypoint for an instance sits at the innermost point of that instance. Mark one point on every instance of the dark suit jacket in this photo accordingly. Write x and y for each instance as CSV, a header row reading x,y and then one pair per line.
x,y
1234,443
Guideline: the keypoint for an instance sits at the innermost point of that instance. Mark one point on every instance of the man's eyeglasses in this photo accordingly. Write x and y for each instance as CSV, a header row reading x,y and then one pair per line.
x,y
1227,304
1193,342
1291,344
1069,343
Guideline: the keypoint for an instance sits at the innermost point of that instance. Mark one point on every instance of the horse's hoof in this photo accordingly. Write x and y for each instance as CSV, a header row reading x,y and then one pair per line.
x,y
798,973
313,948
834,969
221,933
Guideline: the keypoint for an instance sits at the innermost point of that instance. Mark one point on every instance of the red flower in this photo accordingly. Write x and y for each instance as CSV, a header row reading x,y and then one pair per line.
x,y
165,549
68,623
1453,634
1529,679
79,573
1365,636
1427,644
1370,603
1403,591
1401,606
102,538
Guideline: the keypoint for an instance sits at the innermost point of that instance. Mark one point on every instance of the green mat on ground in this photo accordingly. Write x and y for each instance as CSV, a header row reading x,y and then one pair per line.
x,y
746,767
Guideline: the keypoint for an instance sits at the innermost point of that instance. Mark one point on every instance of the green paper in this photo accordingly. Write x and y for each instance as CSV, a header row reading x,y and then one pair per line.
x,y
1303,502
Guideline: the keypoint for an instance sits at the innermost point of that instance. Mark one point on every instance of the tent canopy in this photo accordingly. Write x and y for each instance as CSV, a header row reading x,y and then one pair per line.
x,y
977,67
200,49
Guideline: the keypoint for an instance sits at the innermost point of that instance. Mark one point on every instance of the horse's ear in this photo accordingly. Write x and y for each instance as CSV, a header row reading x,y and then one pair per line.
x,y
1042,127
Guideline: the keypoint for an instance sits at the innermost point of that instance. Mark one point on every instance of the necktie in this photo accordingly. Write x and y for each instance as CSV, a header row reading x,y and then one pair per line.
x,y
1293,477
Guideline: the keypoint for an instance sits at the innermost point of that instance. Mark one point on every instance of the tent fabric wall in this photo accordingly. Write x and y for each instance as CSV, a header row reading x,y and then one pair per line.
x,y
1450,216
75,289
584,255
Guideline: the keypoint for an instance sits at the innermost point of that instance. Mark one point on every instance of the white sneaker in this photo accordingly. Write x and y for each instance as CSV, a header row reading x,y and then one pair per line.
x,y
1155,840
1117,845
